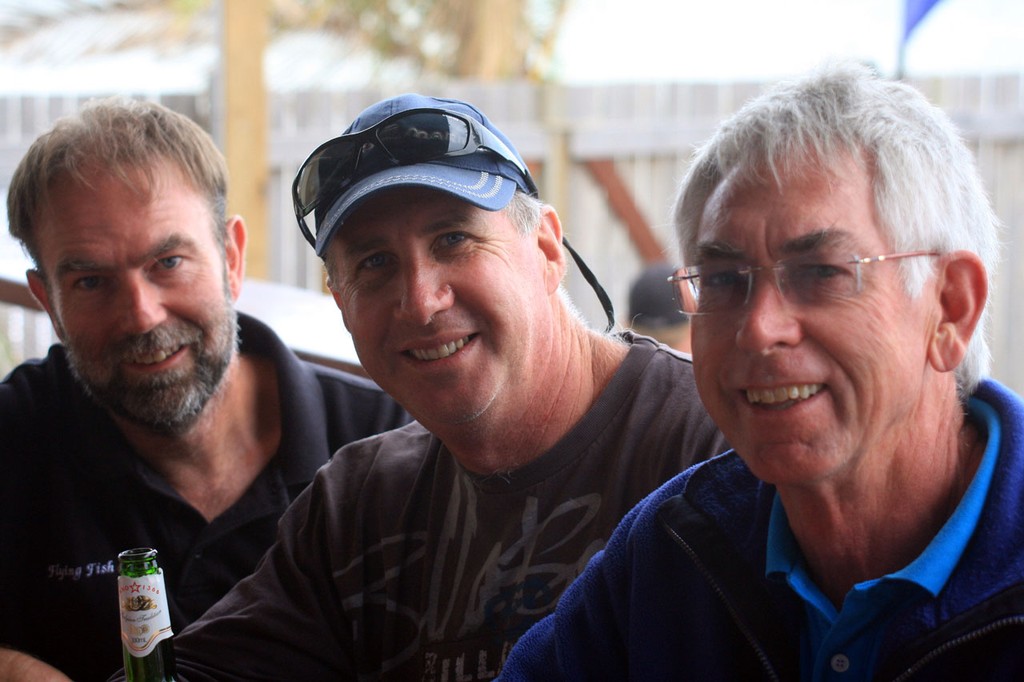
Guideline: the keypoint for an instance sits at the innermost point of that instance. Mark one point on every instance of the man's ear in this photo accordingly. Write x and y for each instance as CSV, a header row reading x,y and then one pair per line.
x,y
963,291
549,238
234,254
37,285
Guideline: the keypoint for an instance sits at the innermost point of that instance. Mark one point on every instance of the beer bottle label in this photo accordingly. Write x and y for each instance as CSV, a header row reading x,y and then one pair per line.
x,y
145,618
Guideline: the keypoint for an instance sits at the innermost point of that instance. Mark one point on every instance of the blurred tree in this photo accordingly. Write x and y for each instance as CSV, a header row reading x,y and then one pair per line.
x,y
484,39
479,39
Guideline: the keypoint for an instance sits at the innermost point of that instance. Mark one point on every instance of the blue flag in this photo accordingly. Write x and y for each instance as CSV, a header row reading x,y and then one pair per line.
x,y
913,13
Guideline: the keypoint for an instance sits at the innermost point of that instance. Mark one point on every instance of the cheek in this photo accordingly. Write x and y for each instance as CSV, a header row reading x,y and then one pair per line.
x,y
365,317
708,357
871,343
708,343
351,314
78,321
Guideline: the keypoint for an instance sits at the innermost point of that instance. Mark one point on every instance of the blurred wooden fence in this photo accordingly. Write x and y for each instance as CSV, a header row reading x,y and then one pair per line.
x,y
607,157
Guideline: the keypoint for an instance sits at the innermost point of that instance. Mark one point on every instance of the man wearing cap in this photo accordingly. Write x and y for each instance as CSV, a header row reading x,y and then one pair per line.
x,y
653,310
424,553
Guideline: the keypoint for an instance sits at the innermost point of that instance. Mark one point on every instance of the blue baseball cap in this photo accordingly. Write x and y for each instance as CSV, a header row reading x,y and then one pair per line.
x,y
486,178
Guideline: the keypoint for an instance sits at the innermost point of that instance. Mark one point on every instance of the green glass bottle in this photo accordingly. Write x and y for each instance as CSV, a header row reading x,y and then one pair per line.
x,y
146,636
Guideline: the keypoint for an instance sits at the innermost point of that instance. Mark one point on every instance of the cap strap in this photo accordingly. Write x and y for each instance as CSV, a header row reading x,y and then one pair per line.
x,y
588,275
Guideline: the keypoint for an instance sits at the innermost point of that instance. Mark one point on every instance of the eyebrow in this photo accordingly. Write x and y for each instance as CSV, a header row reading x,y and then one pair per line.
x,y
455,219
718,250
827,237
450,220
174,241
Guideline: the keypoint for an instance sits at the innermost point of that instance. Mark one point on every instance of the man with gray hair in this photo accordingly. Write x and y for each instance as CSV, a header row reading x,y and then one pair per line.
x,y
839,245
424,553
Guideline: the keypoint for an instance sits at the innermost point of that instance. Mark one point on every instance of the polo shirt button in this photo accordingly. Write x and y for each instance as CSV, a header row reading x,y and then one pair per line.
x,y
840,663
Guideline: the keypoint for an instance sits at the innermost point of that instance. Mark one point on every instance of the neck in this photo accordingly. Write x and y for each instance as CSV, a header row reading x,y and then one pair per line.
x,y
881,526
213,463
573,380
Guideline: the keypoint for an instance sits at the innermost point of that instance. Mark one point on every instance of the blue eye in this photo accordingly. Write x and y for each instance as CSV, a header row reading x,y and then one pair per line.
x,y
87,283
722,279
721,288
816,271
170,262
814,282
377,260
452,238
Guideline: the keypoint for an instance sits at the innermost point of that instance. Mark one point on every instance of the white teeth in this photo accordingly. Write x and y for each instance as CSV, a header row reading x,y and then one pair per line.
x,y
772,396
441,351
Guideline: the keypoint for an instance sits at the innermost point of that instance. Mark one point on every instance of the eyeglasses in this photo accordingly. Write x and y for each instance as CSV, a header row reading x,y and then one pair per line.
x,y
723,288
413,136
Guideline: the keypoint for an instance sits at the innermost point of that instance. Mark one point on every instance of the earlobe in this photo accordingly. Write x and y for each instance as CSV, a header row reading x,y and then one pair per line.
x,y
963,291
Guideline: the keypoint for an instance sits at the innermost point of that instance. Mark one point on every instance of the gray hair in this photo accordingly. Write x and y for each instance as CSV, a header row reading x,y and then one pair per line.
x,y
927,191
524,212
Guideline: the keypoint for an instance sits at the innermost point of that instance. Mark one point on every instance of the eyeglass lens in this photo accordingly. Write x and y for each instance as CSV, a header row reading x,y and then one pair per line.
x,y
804,283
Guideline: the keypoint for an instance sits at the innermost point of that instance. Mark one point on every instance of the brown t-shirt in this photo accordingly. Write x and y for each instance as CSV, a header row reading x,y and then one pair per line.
x,y
398,564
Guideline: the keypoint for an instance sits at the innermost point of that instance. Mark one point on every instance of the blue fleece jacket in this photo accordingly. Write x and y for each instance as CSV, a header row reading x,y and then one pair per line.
x,y
680,591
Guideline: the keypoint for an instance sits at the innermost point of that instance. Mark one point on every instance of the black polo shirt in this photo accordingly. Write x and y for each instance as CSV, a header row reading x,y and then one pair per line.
x,y
73,495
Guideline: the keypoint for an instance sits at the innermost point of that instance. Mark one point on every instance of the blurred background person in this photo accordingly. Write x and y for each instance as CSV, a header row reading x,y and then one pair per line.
x,y
654,311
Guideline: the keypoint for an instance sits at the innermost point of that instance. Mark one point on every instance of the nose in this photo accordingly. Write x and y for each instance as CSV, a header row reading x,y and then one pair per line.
x,y
769,320
426,292
140,303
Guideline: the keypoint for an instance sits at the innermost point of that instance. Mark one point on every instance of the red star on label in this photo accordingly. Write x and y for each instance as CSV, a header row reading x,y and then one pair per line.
x,y
135,587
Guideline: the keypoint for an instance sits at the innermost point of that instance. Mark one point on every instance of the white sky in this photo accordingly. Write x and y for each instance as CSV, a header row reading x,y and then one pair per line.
x,y
630,40
622,41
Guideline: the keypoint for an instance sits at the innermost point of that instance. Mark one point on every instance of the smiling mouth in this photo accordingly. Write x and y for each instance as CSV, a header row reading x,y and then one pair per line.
x,y
782,394
441,352
152,357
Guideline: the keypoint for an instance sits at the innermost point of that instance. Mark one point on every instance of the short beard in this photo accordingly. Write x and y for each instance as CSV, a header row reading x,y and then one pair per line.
x,y
171,403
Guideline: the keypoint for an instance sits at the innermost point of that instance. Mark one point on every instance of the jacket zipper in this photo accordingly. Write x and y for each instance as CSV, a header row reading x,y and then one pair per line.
x,y
953,643
747,634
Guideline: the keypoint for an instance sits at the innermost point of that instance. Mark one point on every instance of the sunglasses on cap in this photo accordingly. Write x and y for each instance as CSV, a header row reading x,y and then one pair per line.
x,y
405,138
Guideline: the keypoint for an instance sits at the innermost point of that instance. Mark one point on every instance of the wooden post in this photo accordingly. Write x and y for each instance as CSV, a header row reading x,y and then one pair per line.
x,y
621,201
244,35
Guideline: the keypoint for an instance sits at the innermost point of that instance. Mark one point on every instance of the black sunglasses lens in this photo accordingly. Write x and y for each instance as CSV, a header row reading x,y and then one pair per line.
x,y
331,168
407,138
423,136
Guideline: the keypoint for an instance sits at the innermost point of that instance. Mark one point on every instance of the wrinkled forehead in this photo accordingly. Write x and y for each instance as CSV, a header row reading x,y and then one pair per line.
x,y
796,210
780,167
402,214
